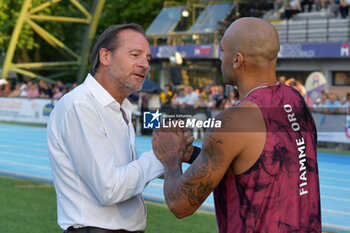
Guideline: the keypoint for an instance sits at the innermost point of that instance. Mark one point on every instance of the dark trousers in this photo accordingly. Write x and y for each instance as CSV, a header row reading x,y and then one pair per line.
x,y
344,11
306,2
96,230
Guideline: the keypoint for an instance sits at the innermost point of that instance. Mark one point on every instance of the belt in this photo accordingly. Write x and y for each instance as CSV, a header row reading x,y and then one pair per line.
x,y
96,230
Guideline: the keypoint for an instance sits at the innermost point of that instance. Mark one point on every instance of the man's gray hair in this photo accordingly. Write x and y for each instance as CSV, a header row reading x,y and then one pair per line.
x,y
109,40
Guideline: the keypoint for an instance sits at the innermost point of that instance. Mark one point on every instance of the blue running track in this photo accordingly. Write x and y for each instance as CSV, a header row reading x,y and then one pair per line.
x,y
24,154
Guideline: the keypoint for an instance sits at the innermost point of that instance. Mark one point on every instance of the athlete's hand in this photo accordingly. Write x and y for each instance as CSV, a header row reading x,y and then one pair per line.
x,y
189,147
169,145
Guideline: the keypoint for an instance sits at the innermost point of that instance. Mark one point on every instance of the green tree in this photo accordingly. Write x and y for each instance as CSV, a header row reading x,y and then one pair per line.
x,y
32,48
142,12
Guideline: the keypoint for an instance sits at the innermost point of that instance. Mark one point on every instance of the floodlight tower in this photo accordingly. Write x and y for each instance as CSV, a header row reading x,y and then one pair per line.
x,y
28,15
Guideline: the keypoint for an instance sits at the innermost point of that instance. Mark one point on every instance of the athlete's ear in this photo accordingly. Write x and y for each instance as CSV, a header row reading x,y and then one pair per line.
x,y
237,60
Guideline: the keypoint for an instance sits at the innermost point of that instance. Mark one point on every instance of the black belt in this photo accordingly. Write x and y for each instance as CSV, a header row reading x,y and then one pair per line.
x,y
96,230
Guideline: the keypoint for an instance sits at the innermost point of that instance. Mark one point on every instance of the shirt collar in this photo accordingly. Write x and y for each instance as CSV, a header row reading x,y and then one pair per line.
x,y
102,95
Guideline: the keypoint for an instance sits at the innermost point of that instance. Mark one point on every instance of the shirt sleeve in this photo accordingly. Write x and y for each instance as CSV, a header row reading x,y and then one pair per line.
x,y
84,140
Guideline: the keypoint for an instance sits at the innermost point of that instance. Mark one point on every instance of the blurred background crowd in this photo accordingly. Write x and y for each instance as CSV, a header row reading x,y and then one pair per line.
x,y
211,99
34,89
286,9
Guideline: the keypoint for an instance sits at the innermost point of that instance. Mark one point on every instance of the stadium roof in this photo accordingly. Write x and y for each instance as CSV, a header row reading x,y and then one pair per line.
x,y
208,20
165,21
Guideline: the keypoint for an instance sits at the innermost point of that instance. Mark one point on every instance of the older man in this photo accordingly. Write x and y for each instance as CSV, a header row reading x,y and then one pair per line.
x,y
97,174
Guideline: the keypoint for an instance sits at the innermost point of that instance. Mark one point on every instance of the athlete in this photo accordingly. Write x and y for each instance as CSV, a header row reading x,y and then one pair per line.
x,y
261,164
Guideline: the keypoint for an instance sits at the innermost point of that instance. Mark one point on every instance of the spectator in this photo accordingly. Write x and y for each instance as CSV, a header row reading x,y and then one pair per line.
x,y
348,102
282,79
333,105
211,101
173,99
234,97
5,89
45,89
70,87
219,103
3,81
315,107
344,101
227,102
300,87
48,92
42,87
23,90
180,99
291,82
191,97
166,95
61,86
201,102
320,104
335,8
291,8
17,91
320,5
56,93
279,7
308,3
133,97
153,101
33,90
344,8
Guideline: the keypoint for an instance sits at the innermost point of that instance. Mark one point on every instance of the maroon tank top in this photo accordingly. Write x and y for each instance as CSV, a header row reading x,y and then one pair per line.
x,y
280,192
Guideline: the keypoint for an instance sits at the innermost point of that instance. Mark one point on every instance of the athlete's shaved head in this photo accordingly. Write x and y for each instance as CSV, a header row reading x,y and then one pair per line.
x,y
254,39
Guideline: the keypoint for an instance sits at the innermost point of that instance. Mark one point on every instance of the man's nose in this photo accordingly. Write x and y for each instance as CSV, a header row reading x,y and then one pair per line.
x,y
145,63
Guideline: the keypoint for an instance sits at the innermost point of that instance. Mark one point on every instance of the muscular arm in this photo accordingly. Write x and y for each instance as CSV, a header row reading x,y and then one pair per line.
x,y
185,192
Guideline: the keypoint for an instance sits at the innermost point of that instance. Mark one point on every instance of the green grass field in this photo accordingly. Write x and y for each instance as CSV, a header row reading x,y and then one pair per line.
x,y
29,206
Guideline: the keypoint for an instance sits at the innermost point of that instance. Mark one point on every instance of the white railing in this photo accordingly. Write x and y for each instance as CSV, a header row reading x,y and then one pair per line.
x,y
313,30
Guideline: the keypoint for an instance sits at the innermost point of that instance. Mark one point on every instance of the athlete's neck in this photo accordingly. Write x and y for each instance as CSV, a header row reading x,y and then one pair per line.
x,y
245,87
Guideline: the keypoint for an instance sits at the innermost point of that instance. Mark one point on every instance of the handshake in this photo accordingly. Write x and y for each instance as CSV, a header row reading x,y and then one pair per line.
x,y
173,144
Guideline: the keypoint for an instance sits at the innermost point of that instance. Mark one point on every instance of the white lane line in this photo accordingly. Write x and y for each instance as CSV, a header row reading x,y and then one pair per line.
x,y
335,198
25,164
27,149
27,142
334,171
336,228
334,187
21,135
23,175
156,185
333,178
24,155
335,211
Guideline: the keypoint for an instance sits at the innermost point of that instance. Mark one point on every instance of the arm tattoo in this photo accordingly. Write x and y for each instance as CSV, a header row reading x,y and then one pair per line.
x,y
197,196
215,139
226,120
195,184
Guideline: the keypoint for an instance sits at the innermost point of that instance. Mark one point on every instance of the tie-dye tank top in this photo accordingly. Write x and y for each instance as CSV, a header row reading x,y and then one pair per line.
x,y
280,192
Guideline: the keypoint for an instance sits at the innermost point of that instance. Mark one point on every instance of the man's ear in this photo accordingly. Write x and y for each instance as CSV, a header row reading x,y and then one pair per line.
x,y
238,60
105,56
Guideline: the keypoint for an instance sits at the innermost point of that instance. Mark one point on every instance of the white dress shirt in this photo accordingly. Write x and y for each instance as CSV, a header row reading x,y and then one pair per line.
x,y
192,98
96,173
